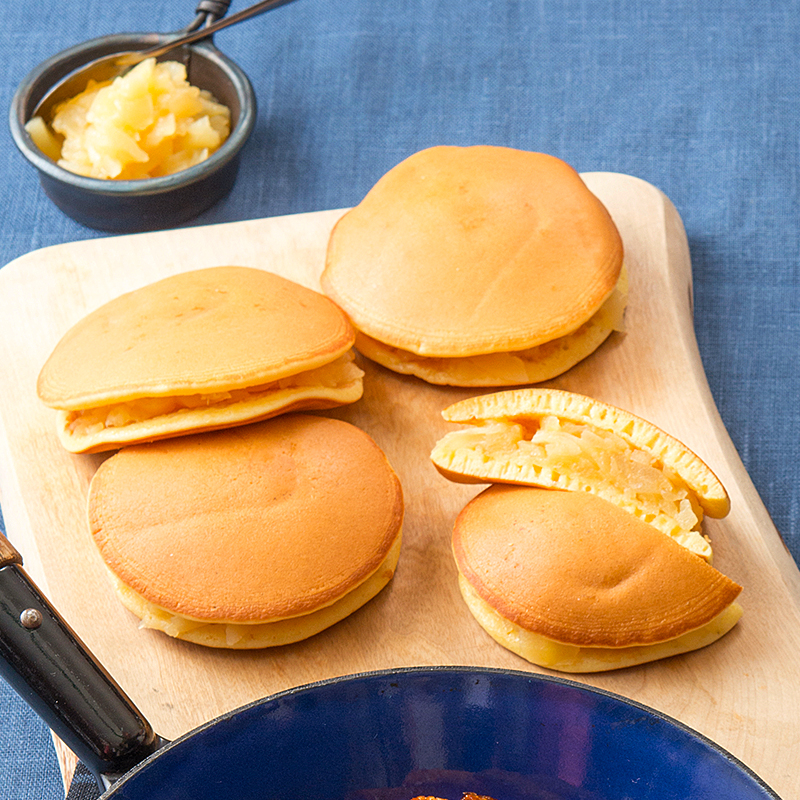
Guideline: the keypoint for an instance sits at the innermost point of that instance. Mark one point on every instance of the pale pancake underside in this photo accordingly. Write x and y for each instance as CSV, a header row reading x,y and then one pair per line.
x,y
530,405
257,635
562,657
533,365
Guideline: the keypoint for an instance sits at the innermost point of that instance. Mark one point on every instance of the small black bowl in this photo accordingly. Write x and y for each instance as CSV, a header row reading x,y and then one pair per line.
x,y
121,206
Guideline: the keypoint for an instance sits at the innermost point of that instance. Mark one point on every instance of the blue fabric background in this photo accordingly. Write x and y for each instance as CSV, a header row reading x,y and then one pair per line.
x,y
700,99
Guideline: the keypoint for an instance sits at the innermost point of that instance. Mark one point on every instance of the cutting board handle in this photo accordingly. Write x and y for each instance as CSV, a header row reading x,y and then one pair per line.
x,y
46,663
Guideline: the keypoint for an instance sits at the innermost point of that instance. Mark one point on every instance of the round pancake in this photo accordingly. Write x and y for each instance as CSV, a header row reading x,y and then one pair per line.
x,y
461,251
578,570
205,330
257,524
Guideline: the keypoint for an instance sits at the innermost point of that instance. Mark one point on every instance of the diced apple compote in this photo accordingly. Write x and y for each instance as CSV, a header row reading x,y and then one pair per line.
x,y
338,373
567,455
144,124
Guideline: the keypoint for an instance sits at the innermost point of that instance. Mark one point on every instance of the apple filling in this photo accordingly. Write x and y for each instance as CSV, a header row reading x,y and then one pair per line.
x,y
566,455
339,374
145,124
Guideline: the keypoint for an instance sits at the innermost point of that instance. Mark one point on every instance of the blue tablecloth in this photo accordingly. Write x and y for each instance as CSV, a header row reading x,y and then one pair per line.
x,y
700,99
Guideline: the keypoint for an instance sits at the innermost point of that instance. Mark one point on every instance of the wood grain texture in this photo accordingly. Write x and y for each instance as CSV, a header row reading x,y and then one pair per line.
x,y
742,692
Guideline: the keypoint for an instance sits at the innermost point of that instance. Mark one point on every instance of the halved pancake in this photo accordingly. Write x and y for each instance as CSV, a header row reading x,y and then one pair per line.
x,y
572,582
461,253
250,537
556,439
200,350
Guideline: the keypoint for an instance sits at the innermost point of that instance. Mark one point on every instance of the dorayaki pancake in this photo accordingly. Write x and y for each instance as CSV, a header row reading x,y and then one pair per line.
x,y
200,350
562,440
462,261
572,582
249,537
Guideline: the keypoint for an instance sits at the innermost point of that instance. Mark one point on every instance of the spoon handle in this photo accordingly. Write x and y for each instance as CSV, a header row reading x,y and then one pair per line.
x,y
202,33
215,9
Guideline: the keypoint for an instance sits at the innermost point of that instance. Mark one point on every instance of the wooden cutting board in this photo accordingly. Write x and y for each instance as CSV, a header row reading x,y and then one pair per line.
x,y
743,692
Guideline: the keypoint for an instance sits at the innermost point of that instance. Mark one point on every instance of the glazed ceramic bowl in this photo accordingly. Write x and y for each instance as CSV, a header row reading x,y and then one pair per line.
x,y
150,203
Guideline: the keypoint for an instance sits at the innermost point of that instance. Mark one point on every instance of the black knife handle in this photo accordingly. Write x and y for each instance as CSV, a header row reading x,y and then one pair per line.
x,y
45,662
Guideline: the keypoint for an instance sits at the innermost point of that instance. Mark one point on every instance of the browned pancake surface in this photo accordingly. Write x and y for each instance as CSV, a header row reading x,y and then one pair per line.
x,y
460,251
204,330
260,522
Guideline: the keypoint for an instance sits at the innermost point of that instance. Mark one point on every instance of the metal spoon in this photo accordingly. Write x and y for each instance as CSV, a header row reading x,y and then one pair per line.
x,y
111,66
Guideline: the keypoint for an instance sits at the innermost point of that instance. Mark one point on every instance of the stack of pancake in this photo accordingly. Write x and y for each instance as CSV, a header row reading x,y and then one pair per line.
x,y
215,531
586,552
252,536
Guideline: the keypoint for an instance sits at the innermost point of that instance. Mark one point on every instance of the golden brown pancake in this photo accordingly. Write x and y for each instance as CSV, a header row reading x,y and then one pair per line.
x,y
197,351
572,582
249,537
562,440
478,266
